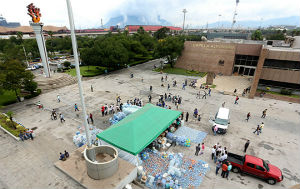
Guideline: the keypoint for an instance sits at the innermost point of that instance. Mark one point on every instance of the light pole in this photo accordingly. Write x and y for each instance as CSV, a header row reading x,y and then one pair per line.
x,y
74,45
184,11
219,21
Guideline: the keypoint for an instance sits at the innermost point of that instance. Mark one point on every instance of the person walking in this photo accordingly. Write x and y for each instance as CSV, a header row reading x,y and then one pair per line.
x,y
204,96
183,86
209,91
197,150
92,89
223,105
168,86
76,107
236,100
261,127
91,118
234,91
182,115
229,167
166,78
58,98
264,113
246,146
149,97
187,117
248,116
257,130
218,166
62,118
151,88
224,170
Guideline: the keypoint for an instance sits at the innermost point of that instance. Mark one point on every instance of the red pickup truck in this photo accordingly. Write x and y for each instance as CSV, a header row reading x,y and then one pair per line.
x,y
256,167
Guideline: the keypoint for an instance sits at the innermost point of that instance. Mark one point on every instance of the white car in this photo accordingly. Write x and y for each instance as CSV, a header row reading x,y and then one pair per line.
x,y
221,120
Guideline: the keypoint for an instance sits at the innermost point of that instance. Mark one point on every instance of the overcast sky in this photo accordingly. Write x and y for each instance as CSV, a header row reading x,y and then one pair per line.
x,y
88,13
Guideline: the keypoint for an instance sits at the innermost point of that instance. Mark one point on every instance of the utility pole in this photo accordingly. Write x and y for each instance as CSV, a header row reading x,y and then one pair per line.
x,y
184,11
101,24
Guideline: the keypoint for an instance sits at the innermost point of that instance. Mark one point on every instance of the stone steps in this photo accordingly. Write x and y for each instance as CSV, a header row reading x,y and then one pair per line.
x,y
57,81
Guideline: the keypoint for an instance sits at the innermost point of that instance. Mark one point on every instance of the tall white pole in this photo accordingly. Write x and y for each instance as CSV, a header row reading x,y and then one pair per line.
x,y
184,11
74,45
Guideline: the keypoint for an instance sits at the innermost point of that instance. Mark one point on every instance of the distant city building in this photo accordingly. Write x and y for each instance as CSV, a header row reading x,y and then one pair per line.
x,y
4,23
283,27
152,28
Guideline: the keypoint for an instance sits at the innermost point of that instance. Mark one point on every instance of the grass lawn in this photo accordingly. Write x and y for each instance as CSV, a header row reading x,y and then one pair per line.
x,y
179,71
87,71
3,123
277,93
8,97
210,86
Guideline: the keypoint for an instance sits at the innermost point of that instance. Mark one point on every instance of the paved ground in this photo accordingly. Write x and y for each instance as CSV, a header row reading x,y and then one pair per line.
x,y
30,164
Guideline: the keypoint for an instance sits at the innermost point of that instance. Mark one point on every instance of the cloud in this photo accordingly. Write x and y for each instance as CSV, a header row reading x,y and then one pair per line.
x,y
88,13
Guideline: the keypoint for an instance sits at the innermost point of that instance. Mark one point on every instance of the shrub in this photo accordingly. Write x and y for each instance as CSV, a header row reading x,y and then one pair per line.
x,y
72,66
285,92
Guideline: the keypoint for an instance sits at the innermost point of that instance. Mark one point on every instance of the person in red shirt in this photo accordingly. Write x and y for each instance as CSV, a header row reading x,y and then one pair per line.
x,y
224,169
102,110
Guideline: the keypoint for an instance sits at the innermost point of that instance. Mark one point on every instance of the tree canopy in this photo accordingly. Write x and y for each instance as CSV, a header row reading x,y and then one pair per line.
x,y
257,35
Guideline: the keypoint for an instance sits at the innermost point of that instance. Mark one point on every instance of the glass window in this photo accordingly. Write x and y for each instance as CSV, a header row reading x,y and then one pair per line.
x,y
251,165
260,168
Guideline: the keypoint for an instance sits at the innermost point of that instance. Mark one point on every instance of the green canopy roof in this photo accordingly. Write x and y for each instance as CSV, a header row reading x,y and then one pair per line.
x,y
136,131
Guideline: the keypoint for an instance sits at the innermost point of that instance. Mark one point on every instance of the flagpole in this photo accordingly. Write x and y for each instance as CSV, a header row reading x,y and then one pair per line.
x,y
74,45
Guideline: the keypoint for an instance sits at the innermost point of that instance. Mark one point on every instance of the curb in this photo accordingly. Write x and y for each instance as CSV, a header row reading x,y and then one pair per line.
x,y
17,139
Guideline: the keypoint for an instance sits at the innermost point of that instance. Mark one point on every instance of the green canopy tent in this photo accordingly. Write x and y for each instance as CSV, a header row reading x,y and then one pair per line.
x,y
136,131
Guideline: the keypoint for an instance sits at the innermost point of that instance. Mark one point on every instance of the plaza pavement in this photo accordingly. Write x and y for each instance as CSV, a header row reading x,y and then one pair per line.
x,y
30,164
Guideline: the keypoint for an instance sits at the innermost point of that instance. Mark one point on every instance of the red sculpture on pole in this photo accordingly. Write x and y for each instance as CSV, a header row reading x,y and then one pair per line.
x,y
34,12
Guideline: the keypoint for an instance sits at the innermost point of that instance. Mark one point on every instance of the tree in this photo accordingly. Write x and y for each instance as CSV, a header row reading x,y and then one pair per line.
x,y
67,64
169,48
20,37
13,75
161,33
257,35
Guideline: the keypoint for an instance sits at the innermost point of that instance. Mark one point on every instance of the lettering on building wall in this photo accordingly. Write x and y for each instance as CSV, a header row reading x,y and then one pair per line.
x,y
214,46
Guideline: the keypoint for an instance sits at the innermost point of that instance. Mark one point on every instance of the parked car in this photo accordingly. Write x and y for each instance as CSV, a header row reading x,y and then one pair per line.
x,y
221,120
256,167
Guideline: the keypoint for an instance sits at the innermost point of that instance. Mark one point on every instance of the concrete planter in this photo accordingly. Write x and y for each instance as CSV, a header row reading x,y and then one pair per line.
x,y
3,129
101,170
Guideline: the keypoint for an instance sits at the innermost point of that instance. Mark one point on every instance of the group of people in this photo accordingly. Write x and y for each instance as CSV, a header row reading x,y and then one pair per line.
x,y
64,156
111,109
259,128
199,149
54,116
219,156
245,91
136,102
25,135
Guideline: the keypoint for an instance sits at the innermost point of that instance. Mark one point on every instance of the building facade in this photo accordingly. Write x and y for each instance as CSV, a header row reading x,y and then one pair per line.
x,y
269,66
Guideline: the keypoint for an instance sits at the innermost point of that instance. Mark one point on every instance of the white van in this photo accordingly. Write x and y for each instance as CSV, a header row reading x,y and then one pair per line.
x,y
221,120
